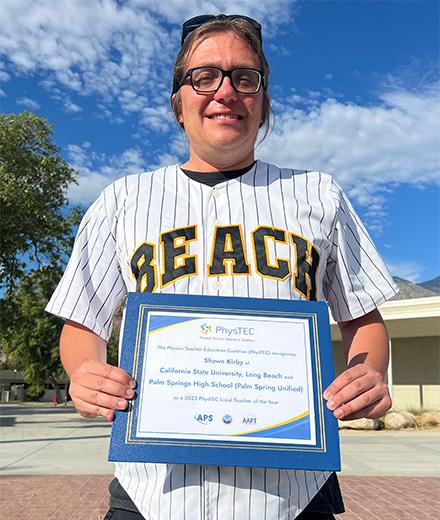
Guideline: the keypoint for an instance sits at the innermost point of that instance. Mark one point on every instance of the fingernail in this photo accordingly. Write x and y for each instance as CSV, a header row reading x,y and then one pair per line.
x,y
129,393
122,403
132,384
331,404
326,394
338,413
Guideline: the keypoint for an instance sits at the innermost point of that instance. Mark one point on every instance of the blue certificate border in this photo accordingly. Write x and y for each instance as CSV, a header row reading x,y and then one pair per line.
x,y
324,455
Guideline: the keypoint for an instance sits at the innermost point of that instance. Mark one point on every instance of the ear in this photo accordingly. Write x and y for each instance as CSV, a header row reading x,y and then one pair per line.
x,y
265,109
177,109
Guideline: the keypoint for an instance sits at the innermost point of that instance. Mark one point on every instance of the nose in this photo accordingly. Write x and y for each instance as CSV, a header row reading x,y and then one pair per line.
x,y
225,91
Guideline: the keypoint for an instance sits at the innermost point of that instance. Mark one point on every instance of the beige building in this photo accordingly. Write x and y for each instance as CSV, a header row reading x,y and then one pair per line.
x,y
414,371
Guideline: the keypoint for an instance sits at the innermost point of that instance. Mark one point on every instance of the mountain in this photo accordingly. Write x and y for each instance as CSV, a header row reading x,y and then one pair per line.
x,y
410,290
432,285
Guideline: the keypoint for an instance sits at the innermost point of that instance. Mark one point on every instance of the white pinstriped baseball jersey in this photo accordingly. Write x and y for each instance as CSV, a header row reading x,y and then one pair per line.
x,y
271,233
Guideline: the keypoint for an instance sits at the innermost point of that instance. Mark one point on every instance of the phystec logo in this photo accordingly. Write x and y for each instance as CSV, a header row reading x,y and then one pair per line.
x,y
203,418
205,329
227,419
236,331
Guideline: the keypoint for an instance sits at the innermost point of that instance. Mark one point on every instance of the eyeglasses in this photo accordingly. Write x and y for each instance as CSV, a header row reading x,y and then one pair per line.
x,y
197,21
208,80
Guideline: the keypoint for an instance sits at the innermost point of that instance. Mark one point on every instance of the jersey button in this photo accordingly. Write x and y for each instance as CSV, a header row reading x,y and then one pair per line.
x,y
216,194
217,286
218,222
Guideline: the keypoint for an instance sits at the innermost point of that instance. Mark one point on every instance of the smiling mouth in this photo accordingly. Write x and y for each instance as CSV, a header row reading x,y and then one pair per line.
x,y
225,116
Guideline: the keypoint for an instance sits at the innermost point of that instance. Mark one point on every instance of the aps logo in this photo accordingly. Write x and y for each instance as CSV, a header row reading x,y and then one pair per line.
x,y
205,329
203,418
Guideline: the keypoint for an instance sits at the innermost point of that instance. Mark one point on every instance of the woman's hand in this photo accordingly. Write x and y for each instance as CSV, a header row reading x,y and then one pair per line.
x,y
97,388
358,392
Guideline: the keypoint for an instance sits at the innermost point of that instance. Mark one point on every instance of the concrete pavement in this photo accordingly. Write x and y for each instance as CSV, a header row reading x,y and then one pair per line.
x,y
43,440
53,467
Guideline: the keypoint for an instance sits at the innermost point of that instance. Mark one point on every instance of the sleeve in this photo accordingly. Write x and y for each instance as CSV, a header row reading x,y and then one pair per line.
x,y
357,280
92,286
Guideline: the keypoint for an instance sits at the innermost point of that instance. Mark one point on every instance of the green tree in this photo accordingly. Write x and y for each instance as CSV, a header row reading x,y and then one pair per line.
x,y
35,227
28,335
113,342
36,236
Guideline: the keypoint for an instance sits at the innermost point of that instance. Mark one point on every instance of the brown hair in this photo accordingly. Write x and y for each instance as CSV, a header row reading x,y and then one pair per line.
x,y
242,29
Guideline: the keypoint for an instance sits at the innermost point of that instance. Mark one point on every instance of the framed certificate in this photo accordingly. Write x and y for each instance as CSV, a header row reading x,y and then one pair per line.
x,y
227,381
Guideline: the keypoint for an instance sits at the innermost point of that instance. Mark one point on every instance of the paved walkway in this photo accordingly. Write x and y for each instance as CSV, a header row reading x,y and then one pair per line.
x,y
84,497
53,466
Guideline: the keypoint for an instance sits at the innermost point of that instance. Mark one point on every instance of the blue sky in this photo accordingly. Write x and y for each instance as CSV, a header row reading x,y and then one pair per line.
x,y
354,86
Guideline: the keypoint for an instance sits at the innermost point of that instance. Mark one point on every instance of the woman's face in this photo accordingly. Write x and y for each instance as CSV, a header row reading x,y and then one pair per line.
x,y
214,138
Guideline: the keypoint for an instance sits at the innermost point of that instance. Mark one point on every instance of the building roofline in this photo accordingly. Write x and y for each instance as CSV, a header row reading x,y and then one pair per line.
x,y
427,307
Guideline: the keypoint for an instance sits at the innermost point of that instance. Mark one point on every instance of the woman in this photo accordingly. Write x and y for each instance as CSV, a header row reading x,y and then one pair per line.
x,y
317,249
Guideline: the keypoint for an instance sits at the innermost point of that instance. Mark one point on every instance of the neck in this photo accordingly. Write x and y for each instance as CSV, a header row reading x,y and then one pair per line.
x,y
198,164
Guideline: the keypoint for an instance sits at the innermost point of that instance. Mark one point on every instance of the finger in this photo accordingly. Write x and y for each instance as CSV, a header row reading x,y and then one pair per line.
x,y
103,384
356,388
108,371
345,379
374,411
90,410
100,399
361,402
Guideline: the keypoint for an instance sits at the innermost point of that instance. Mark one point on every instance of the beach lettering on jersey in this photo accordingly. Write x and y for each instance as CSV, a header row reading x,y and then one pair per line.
x,y
228,258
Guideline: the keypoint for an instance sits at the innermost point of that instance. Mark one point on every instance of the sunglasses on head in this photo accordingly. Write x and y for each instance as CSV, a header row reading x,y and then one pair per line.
x,y
197,21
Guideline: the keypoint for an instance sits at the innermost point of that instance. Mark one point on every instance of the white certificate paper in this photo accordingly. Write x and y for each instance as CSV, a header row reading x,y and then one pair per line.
x,y
227,382
226,377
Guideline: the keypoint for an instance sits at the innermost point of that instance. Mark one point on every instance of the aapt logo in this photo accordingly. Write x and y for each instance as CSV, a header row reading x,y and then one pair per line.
x,y
205,329
203,418
249,419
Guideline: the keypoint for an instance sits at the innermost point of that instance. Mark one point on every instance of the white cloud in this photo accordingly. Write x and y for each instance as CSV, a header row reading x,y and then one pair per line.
x,y
177,151
66,104
90,182
28,103
71,108
2,93
412,271
270,13
364,147
4,76
93,47
278,50
98,171
79,156
131,101
159,118
108,115
164,160
120,50
368,149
